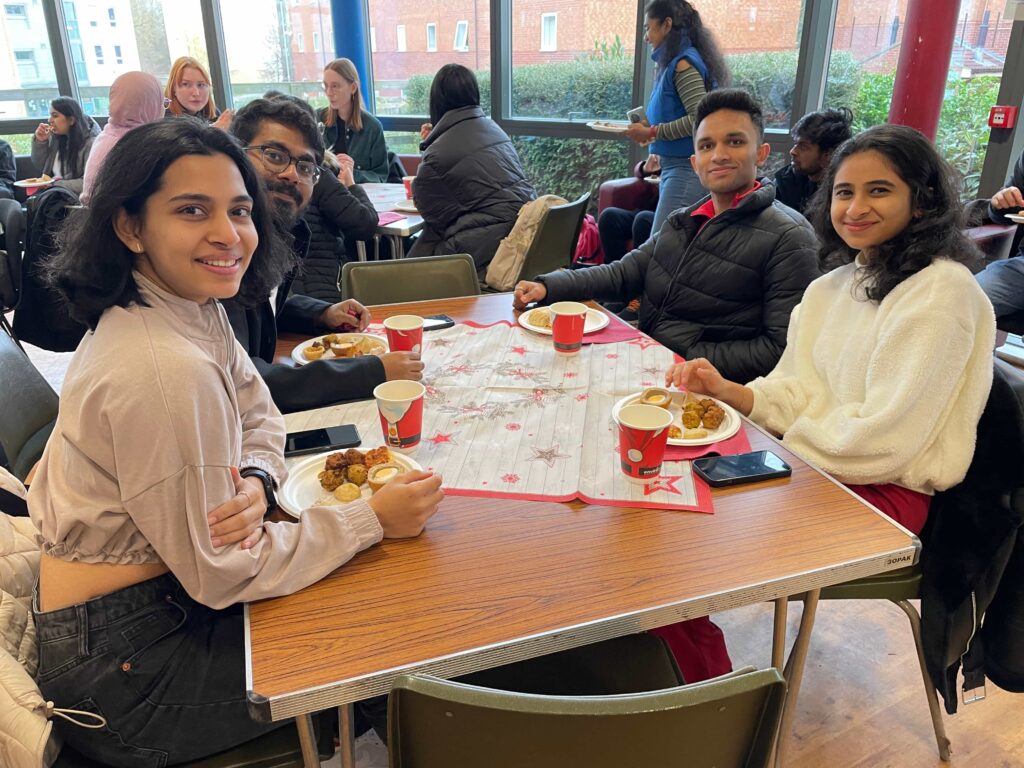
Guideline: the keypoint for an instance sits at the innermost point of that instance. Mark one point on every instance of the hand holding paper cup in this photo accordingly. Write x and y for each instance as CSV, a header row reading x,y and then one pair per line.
x,y
643,433
405,333
400,403
567,323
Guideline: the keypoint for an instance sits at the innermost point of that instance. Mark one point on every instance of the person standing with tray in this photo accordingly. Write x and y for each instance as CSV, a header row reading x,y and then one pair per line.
x,y
688,66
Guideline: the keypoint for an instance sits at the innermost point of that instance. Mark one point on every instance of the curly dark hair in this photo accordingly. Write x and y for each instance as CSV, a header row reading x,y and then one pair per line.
x,y
92,268
69,148
828,128
937,226
686,21
286,110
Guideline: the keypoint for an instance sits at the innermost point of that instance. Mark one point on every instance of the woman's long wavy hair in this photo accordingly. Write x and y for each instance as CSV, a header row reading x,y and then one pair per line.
x,y
935,230
174,80
92,268
69,147
686,21
347,71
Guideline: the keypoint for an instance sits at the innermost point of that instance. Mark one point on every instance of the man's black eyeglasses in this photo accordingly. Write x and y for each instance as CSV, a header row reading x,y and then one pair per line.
x,y
278,161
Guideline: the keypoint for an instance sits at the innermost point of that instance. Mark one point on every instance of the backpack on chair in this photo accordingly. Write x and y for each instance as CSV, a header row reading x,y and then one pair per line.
x,y
42,316
504,269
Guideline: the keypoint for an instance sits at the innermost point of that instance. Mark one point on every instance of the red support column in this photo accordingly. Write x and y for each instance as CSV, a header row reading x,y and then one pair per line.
x,y
923,66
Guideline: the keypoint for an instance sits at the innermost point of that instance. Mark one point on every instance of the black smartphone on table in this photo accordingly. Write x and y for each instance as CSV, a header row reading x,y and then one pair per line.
x,y
320,440
436,322
752,467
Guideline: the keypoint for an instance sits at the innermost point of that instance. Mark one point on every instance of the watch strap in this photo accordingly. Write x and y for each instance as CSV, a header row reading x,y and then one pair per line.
x,y
269,484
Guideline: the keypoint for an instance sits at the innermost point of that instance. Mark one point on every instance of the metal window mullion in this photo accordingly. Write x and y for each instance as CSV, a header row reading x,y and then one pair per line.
x,y
501,62
216,52
642,79
60,48
814,56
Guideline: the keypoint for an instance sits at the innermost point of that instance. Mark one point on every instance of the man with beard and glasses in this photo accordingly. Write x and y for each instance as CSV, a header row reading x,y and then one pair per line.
x,y
282,141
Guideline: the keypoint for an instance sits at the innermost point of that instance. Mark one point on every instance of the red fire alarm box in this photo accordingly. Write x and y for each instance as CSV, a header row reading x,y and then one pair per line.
x,y
1002,117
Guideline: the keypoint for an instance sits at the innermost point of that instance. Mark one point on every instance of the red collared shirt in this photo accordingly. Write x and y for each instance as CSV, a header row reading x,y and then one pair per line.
x,y
708,209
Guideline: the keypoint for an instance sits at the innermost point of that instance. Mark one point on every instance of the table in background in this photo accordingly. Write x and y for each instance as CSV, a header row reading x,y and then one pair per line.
x,y
384,197
495,581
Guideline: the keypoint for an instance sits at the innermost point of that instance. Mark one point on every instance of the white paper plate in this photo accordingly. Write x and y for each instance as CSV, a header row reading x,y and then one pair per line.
x,y
302,489
405,206
1016,218
652,179
729,426
608,126
596,320
300,359
32,183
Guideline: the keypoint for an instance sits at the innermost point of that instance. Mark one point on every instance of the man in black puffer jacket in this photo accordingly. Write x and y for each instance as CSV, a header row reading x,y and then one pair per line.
x,y
722,277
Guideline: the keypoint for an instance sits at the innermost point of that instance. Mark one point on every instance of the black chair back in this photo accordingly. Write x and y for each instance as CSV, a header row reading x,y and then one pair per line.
x,y
29,411
555,242
12,220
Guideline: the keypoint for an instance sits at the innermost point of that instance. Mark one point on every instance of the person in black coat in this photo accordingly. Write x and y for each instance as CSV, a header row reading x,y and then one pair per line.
x,y
1003,280
815,137
8,171
722,277
282,140
470,184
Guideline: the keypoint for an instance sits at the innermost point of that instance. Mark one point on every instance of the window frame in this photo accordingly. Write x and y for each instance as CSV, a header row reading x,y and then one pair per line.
x,y
552,44
462,25
431,27
401,41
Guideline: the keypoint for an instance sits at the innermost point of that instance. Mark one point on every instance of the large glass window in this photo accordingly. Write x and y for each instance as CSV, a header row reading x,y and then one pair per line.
x,y
27,78
865,51
266,42
579,69
570,167
404,63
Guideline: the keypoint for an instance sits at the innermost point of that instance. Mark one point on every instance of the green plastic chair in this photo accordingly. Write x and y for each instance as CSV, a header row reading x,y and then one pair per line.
x,y
418,279
728,722
29,411
899,587
555,242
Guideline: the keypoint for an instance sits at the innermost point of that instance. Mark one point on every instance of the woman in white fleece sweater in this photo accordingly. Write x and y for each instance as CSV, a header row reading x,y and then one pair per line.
x,y
888,362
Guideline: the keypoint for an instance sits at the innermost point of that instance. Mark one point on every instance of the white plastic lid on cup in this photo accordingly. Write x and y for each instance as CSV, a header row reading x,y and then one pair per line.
x,y
645,417
568,308
403,322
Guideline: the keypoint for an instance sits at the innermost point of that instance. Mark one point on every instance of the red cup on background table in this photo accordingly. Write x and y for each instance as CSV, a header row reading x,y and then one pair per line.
x,y
643,434
400,404
407,181
568,319
405,333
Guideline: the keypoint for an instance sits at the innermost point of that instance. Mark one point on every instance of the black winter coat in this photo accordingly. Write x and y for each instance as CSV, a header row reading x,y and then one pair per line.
x,y
972,588
337,216
724,292
316,384
1015,179
469,187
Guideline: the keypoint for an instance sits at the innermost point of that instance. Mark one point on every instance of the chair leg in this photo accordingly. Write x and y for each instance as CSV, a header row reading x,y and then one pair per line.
x,y
6,327
929,687
795,673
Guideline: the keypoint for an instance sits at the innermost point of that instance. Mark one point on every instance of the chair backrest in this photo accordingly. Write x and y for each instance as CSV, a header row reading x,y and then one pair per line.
x,y
12,220
29,408
555,242
418,279
729,722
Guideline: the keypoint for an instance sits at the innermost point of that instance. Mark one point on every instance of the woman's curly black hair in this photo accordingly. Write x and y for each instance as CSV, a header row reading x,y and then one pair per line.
x,y
686,19
92,268
936,229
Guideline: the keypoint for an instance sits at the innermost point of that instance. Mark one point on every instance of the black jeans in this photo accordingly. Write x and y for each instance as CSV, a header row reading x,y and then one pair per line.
x,y
617,226
167,673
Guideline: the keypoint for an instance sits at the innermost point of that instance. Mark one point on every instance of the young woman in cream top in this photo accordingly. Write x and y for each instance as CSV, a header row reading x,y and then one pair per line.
x,y
138,612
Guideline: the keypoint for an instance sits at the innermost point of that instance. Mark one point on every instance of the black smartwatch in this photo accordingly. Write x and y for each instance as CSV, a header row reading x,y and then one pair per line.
x,y
269,486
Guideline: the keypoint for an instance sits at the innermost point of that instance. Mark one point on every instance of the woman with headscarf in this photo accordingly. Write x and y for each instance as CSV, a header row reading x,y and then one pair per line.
x,y
136,98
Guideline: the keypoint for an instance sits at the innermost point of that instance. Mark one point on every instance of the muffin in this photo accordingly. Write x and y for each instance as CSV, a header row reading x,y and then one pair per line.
x,y
314,351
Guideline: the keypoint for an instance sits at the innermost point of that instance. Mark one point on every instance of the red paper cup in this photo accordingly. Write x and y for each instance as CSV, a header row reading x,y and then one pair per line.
x,y
405,333
407,181
569,319
400,404
643,432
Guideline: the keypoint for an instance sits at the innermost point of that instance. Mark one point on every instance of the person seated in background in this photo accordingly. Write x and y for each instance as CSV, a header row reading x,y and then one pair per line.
x,y
617,226
889,361
135,99
8,171
470,184
281,138
815,137
162,417
721,277
1003,280
351,134
188,92
61,146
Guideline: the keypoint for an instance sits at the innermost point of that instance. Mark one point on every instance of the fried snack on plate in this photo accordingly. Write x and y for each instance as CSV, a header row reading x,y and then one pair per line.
x,y
347,492
331,478
540,318
674,432
691,418
336,461
658,396
376,456
345,348
695,434
356,473
354,456
713,417
381,474
314,351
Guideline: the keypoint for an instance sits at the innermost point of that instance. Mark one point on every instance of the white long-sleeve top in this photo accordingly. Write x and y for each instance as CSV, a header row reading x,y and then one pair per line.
x,y
887,392
158,404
